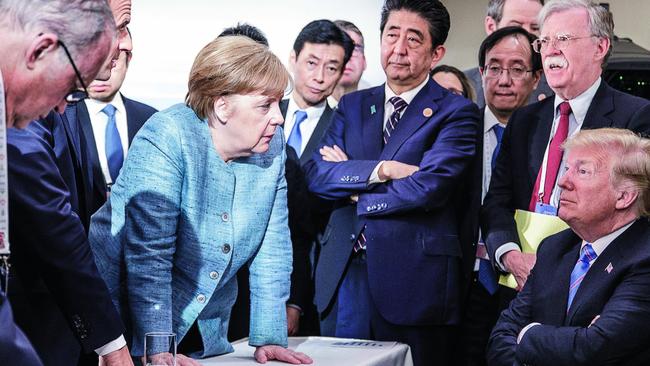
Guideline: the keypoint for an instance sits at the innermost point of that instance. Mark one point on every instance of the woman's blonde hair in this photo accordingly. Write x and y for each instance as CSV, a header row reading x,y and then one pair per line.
x,y
233,65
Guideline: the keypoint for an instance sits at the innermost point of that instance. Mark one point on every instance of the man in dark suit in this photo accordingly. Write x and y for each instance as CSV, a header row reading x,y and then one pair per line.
x,y
585,302
505,13
59,298
393,159
109,121
510,70
320,53
573,51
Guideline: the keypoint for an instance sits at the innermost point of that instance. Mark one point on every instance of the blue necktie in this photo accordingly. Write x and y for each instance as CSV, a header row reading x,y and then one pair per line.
x,y
486,275
295,137
587,254
113,146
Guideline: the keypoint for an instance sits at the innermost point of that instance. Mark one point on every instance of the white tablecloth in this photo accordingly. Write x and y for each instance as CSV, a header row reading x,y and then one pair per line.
x,y
326,351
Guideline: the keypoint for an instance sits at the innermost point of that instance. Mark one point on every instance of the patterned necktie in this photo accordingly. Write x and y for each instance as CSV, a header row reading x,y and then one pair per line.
x,y
113,146
486,275
391,124
554,158
295,137
587,255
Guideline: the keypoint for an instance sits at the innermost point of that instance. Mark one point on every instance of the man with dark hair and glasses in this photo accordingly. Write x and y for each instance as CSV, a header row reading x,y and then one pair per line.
x,y
510,70
59,298
355,66
574,43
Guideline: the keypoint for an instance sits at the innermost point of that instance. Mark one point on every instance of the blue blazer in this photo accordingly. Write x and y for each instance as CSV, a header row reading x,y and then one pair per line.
x,y
411,224
616,288
179,224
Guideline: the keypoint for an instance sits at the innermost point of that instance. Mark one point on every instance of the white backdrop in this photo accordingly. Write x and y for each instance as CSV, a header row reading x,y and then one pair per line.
x,y
167,35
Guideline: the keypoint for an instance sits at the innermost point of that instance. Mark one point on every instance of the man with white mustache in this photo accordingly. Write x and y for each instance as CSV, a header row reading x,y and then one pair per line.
x,y
575,42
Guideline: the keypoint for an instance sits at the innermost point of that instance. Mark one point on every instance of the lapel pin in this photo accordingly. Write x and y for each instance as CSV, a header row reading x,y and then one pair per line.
x,y
609,268
427,112
373,109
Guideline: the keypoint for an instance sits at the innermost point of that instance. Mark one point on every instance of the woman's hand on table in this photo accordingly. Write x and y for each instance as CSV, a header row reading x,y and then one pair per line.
x,y
272,352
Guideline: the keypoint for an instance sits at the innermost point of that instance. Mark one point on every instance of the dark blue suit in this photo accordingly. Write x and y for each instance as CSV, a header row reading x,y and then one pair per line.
x,y
411,224
616,288
58,297
15,349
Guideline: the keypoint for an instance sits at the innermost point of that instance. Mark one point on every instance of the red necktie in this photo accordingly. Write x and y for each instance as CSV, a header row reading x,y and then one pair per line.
x,y
554,158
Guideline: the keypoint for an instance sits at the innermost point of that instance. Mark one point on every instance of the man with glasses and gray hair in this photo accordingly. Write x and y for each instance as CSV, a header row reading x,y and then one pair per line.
x,y
574,44
51,50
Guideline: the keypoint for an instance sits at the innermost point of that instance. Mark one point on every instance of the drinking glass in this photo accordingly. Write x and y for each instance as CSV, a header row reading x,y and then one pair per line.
x,y
160,349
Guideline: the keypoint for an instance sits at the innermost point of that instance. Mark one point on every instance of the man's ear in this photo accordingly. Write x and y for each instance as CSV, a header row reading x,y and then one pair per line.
x,y
221,109
626,197
292,61
40,47
438,54
490,25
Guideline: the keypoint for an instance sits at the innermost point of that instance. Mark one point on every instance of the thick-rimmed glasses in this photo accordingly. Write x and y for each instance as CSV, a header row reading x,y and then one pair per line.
x,y
76,95
560,42
495,71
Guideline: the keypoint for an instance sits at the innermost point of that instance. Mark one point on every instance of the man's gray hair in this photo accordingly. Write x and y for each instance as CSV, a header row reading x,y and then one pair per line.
x,y
601,23
77,23
495,9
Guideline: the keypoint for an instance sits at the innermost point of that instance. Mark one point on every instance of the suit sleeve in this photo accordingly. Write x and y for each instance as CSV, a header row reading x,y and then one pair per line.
x,y
55,241
502,345
337,180
621,330
270,270
441,169
150,226
497,213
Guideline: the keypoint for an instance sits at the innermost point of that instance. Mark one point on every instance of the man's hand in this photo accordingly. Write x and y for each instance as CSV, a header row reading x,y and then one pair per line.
x,y
120,357
271,352
168,360
333,154
391,169
293,320
519,264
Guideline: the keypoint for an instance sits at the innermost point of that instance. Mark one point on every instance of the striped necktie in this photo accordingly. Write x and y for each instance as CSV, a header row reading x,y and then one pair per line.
x,y
587,255
391,124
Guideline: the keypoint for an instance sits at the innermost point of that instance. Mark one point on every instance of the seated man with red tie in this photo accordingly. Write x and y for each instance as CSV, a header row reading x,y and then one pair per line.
x,y
574,44
585,301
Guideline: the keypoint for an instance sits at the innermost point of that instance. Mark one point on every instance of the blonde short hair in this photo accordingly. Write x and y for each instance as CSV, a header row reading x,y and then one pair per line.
x,y
233,65
630,154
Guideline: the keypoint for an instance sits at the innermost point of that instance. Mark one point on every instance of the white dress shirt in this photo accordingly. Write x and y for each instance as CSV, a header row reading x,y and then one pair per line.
x,y
307,126
99,120
579,107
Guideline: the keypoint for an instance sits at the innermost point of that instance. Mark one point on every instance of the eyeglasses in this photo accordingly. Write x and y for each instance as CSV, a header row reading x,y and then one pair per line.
x,y
76,95
515,72
560,42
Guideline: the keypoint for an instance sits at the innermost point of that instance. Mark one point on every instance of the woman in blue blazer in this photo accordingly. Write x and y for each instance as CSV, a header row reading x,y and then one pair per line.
x,y
201,194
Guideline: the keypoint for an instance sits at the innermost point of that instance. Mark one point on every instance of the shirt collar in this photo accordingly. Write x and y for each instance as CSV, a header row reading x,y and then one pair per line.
x,y
580,104
408,96
312,111
490,120
600,244
95,106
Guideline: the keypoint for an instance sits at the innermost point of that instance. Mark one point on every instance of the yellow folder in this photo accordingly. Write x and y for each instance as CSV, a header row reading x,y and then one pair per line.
x,y
532,229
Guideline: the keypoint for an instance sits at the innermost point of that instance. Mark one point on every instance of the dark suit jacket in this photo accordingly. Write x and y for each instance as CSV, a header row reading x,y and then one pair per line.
x,y
411,224
15,349
522,152
59,299
307,213
474,77
136,115
619,295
